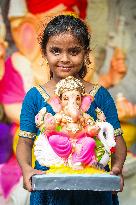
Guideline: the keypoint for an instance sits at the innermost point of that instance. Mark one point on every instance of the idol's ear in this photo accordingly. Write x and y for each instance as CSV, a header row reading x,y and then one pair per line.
x,y
25,36
86,102
55,103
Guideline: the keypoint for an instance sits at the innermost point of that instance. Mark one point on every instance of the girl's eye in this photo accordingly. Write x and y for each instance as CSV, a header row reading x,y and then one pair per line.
x,y
74,51
55,51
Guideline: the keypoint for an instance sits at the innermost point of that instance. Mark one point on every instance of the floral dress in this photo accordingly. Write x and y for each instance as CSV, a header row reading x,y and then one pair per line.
x,y
34,101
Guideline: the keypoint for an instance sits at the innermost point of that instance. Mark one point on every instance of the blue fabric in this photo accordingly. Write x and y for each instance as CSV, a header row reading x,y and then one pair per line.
x,y
32,104
105,102
71,198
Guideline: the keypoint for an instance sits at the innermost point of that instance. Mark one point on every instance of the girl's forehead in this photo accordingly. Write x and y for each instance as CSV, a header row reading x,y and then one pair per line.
x,y
63,38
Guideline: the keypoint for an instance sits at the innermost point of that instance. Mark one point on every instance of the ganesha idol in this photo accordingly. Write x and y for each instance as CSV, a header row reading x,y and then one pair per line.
x,y
71,136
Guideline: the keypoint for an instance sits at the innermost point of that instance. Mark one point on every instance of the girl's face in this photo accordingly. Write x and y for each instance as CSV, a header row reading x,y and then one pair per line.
x,y
65,55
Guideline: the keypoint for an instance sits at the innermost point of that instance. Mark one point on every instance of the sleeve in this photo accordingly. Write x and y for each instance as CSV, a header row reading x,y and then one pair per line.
x,y
106,103
29,110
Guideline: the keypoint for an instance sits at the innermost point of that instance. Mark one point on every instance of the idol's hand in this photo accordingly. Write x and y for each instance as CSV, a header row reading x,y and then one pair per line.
x,y
126,109
2,57
118,68
27,175
3,46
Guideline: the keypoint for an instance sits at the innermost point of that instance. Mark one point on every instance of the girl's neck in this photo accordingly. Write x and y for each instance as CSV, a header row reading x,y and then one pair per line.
x,y
50,85
56,79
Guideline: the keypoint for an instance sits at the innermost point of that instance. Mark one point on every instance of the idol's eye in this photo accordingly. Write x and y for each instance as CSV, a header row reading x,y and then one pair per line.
x,y
65,98
74,51
55,50
78,98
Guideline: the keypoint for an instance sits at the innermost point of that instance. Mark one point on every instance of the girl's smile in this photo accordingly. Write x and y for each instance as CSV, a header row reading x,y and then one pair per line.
x,y
65,55
64,68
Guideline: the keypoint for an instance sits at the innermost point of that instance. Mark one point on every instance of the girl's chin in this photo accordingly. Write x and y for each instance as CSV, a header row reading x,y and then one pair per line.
x,y
64,75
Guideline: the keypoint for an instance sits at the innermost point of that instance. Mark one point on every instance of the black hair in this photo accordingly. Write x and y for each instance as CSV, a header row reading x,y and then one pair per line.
x,y
67,23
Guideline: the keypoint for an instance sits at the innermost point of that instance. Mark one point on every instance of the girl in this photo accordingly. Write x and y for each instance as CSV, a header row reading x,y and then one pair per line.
x,y
65,45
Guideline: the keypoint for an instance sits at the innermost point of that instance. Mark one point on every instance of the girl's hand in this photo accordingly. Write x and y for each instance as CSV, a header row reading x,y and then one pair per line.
x,y
27,175
116,171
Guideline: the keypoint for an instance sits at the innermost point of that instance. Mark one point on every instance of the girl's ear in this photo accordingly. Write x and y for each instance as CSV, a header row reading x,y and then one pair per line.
x,y
88,57
55,103
86,102
87,51
45,54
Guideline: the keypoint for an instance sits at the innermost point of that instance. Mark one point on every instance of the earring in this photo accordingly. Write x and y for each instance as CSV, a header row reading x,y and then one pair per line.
x,y
46,61
87,60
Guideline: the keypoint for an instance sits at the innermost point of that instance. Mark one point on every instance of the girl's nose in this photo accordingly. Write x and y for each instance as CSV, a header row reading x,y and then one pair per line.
x,y
64,58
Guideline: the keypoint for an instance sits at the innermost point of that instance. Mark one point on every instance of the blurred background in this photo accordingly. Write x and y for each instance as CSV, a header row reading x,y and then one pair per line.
x,y
112,24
